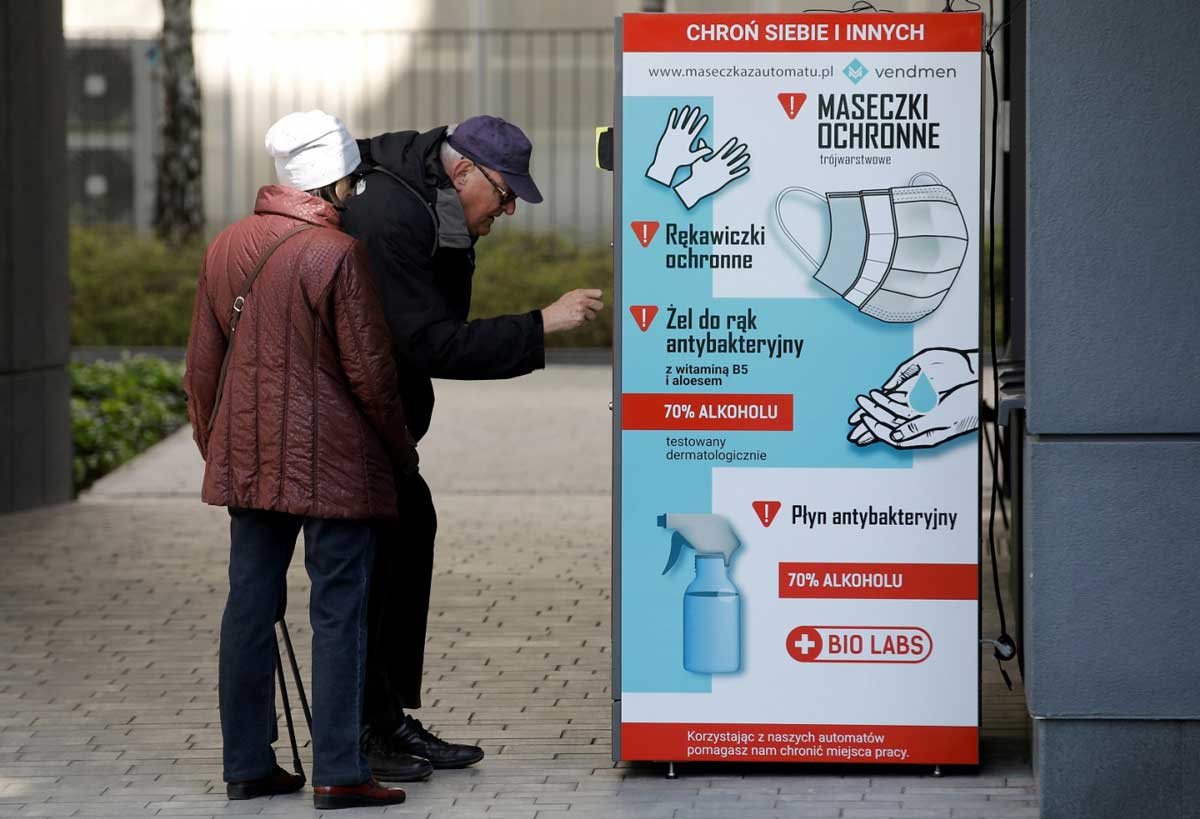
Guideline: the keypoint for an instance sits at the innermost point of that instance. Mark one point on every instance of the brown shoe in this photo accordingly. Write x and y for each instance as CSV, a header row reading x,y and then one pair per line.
x,y
367,795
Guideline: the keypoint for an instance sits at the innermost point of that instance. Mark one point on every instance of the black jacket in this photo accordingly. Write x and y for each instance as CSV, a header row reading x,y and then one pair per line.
x,y
422,258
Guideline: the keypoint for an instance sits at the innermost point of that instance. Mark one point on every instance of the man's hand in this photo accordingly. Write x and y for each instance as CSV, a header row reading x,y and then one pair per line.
x,y
408,464
571,310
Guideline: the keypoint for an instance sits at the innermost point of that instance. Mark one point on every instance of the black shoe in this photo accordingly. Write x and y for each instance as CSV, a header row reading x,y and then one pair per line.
x,y
412,737
276,783
389,763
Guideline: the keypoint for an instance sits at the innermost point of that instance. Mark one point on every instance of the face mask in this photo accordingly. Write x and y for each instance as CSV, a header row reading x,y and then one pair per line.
x,y
893,253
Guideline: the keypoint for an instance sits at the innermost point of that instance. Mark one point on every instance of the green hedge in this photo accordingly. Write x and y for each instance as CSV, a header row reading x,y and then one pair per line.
x,y
519,272
134,290
120,409
129,289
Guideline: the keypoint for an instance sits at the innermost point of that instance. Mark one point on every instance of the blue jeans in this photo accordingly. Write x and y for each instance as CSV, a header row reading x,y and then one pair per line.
x,y
338,556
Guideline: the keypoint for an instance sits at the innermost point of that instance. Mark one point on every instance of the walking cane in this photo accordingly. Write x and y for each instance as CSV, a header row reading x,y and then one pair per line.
x,y
287,642
287,707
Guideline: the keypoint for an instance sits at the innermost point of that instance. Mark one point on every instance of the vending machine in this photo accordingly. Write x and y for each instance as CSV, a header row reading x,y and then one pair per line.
x,y
796,390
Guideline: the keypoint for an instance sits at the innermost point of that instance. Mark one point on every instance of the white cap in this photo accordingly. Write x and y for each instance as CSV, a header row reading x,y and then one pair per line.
x,y
311,149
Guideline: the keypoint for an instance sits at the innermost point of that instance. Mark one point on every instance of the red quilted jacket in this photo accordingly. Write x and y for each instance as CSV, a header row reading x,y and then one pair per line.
x,y
311,421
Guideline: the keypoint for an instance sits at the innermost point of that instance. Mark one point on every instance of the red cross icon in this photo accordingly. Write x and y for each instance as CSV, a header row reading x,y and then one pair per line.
x,y
804,644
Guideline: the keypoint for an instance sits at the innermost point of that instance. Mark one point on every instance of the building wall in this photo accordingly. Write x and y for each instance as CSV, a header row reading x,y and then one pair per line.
x,y
556,84
1113,450
546,65
35,423
384,66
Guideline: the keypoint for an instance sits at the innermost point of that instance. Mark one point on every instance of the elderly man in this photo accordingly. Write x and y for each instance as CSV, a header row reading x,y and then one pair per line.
x,y
423,202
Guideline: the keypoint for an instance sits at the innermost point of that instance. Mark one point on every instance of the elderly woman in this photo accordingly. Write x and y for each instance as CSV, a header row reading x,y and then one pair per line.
x,y
294,404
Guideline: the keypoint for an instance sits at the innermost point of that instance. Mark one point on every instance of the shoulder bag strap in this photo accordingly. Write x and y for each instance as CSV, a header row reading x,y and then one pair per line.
x,y
238,304
428,208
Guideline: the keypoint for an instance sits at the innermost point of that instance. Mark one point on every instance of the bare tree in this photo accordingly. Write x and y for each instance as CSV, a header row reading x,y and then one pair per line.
x,y
180,197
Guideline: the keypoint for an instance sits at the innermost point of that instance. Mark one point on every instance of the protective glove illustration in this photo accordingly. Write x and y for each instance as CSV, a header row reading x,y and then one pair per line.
x,y
675,145
713,172
922,404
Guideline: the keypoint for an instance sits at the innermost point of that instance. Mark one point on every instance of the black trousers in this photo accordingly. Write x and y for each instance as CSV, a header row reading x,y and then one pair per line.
x,y
398,609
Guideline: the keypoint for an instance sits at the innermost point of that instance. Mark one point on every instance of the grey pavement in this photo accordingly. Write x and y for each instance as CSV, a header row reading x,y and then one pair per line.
x,y
110,607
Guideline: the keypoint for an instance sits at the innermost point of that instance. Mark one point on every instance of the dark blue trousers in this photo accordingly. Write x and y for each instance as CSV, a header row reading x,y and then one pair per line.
x,y
338,556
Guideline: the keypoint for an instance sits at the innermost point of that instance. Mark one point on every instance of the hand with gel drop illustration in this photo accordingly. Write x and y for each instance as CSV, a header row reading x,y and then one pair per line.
x,y
922,404
946,368
956,414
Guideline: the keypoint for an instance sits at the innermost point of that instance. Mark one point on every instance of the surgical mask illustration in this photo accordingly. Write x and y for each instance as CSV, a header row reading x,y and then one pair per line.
x,y
711,604
893,253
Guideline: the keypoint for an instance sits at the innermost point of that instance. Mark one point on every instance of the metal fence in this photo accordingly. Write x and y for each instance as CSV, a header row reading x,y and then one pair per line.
x,y
557,84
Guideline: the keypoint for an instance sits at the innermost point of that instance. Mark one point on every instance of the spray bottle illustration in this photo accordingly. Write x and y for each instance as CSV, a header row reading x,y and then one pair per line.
x,y
711,604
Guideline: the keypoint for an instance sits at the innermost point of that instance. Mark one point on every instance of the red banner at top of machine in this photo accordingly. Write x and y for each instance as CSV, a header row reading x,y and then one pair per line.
x,y
802,32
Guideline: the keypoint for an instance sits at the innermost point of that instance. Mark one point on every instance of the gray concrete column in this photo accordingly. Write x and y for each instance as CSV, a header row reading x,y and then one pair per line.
x,y
35,419
1112,456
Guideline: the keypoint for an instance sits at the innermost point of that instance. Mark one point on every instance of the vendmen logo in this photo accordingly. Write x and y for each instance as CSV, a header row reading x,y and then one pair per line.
x,y
855,71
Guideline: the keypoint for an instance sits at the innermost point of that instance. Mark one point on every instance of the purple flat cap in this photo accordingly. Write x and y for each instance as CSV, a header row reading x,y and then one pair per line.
x,y
501,146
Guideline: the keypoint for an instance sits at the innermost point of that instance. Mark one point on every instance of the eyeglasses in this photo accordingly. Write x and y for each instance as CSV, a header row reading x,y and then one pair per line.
x,y
505,196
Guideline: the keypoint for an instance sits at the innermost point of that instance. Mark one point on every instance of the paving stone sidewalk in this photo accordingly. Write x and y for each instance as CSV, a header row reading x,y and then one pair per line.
x,y
110,608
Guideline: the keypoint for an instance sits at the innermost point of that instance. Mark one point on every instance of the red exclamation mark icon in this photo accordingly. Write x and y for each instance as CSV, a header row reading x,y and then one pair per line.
x,y
644,315
792,103
644,231
766,511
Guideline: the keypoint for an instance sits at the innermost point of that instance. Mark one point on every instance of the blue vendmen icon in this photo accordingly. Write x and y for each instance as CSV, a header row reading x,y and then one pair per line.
x,y
711,604
855,71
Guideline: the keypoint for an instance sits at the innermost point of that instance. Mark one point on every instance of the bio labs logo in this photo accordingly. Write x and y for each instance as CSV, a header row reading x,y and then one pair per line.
x,y
855,72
